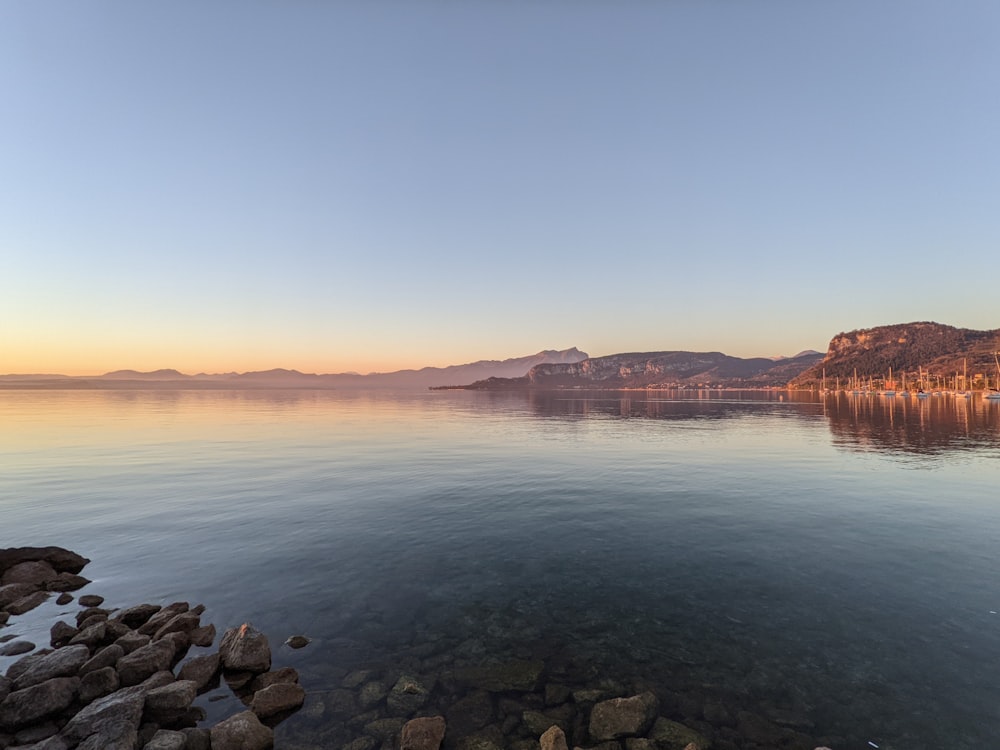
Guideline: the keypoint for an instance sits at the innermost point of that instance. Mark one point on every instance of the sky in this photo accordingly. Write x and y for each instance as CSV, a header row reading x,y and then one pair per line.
x,y
368,186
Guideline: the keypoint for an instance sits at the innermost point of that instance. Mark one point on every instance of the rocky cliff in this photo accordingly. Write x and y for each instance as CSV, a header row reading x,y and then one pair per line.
x,y
937,349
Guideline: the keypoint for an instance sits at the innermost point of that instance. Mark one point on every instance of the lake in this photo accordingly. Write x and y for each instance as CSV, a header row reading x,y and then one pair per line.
x,y
826,563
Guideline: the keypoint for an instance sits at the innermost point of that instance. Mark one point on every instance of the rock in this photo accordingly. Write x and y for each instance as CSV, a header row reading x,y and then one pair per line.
x,y
356,679
11,593
479,742
98,683
757,728
135,667
203,637
587,696
35,574
285,674
37,701
170,702
471,713
157,680
180,643
538,723
717,715
371,694
91,600
166,739
382,729
115,630
132,641
197,739
297,641
95,613
671,735
62,662
242,732
238,682
106,657
36,733
90,636
641,743
425,733
407,695
63,599
185,622
512,676
59,558
623,717
201,670
553,738
283,696
4,616
162,617
245,649
5,687
556,694
67,582
27,603
112,719
16,648
138,615
61,633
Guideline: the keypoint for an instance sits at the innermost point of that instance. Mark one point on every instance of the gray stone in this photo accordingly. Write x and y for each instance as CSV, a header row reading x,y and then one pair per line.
x,y
56,742
425,733
14,591
98,683
59,558
553,738
278,698
197,739
407,695
91,635
512,676
135,667
91,600
88,613
285,674
184,622
27,603
201,670
371,694
245,649
61,633
356,678
113,718
62,662
115,630
16,648
297,641
623,717
63,599
157,680
672,735
166,739
36,733
383,729
132,641
22,707
138,615
106,657
471,713
162,617
5,687
35,574
67,582
537,722
242,732
170,702
203,637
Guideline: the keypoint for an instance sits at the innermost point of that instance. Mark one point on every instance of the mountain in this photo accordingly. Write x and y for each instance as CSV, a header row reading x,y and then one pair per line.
x,y
937,349
283,378
658,370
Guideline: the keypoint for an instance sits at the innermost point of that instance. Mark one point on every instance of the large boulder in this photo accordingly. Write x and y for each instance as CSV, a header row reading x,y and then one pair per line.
x,y
242,732
28,705
112,719
144,662
98,683
623,717
62,662
280,697
553,738
245,649
27,603
201,670
170,702
424,733
14,591
35,574
59,558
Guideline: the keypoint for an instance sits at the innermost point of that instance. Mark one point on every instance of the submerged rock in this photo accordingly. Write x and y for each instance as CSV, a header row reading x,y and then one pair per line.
x,y
425,733
511,676
623,717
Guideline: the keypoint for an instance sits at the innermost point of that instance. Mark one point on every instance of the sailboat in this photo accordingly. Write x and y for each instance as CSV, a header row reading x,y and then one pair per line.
x,y
888,390
965,392
993,394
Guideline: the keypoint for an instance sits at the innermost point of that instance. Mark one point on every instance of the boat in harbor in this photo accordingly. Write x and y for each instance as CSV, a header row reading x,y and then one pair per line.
x,y
993,394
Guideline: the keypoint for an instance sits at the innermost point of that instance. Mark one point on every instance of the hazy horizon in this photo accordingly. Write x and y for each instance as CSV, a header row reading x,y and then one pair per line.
x,y
372,187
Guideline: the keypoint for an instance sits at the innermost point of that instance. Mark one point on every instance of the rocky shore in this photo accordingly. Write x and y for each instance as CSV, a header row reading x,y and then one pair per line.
x,y
124,679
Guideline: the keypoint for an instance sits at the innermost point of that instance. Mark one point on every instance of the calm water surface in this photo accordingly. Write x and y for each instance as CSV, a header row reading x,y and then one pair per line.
x,y
832,558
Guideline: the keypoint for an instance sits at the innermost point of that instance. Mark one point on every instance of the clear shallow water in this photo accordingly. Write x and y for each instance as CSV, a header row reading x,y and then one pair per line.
x,y
834,558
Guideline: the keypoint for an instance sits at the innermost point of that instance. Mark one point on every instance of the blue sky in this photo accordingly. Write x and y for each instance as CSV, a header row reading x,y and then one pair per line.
x,y
375,185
